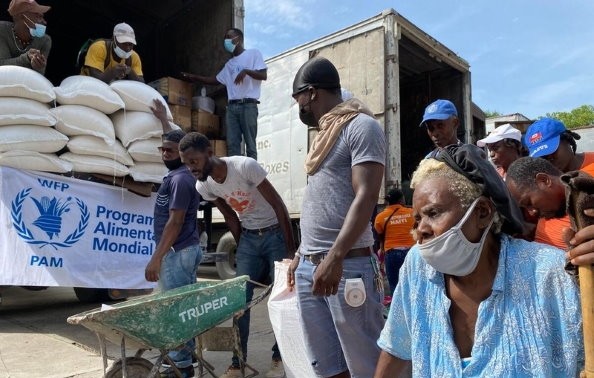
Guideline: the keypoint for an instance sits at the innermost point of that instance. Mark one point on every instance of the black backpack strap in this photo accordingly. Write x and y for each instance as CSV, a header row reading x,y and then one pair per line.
x,y
383,235
108,54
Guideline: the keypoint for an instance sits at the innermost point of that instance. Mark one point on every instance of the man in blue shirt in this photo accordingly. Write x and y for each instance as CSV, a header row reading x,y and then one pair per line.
x,y
177,253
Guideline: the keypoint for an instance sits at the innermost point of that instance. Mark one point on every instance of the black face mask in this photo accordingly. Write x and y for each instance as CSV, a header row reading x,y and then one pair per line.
x,y
173,164
307,116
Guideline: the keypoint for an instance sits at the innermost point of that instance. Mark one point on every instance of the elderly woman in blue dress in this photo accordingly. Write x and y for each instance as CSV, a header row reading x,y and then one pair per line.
x,y
473,301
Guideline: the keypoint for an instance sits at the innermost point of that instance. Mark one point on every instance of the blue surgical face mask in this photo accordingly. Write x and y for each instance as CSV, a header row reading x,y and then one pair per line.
x,y
38,31
121,53
229,46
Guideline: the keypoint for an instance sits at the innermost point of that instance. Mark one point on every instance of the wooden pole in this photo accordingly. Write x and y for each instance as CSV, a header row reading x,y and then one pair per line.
x,y
586,280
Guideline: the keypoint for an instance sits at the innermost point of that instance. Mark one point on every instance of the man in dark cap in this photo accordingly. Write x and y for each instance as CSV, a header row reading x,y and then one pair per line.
x,y
335,273
441,120
467,286
23,42
177,253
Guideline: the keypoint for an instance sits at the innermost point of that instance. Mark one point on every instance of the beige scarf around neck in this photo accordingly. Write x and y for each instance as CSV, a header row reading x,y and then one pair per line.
x,y
331,125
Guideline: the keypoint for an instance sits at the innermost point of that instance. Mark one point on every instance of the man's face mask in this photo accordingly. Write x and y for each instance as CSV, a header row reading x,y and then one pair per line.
x,y
451,253
121,53
229,46
306,115
38,30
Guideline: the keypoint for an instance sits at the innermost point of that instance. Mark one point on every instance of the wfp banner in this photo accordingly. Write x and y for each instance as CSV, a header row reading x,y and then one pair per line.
x,y
61,231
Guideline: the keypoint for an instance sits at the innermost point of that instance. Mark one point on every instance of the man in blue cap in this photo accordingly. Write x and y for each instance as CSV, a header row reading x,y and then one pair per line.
x,y
441,120
549,139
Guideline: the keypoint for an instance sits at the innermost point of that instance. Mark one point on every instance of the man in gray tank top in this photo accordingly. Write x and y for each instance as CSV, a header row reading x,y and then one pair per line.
x,y
335,273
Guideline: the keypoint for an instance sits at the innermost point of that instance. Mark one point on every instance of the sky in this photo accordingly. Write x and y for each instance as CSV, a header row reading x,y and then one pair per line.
x,y
526,56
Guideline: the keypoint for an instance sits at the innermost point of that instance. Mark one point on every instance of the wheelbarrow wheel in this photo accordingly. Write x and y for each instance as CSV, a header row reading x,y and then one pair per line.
x,y
226,269
136,367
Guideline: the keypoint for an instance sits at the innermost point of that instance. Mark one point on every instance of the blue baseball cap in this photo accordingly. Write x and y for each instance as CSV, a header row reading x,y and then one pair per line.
x,y
543,136
440,109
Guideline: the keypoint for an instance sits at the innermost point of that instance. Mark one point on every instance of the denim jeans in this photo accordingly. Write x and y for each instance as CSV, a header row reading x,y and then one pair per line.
x,y
178,268
255,257
242,119
393,260
339,337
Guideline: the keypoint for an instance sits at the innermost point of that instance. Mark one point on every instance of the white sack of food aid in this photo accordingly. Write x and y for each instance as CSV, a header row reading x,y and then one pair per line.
x,y
88,91
36,161
75,120
16,81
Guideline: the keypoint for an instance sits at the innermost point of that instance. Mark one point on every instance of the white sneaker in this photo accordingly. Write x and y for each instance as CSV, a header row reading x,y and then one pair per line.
x,y
232,372
277,370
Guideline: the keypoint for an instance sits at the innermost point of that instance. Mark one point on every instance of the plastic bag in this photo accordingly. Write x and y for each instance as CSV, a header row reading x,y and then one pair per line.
x,y
286,324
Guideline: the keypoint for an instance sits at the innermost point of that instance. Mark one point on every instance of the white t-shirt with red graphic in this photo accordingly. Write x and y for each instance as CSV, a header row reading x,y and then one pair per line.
x,y
240,191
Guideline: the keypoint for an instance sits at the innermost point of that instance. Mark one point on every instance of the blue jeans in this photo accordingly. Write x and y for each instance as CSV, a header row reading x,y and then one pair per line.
x,y
393,260
255,257
242,119
178,268
339,337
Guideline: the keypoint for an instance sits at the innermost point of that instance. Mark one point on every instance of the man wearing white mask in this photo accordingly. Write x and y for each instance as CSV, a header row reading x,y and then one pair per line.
x,y
242,75
468,286
114,59
23,42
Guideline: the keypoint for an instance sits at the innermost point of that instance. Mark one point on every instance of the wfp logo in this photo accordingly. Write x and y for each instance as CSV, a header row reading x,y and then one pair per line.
x,y
49,214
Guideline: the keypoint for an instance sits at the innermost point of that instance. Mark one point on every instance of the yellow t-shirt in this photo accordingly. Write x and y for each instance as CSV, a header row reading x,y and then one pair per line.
x,y
96,59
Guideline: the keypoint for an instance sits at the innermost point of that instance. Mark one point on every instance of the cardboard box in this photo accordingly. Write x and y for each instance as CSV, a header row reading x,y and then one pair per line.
x,y
182,116
219,147
174,91
206,123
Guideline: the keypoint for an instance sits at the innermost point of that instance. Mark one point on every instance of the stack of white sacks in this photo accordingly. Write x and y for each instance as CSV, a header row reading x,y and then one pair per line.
x,y
107,129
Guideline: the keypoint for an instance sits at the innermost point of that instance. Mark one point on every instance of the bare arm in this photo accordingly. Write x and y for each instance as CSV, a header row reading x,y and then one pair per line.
x,y
256,74
230,218
170,233
133,76
211,80
367,179
160,112
274,199
389,366
110,74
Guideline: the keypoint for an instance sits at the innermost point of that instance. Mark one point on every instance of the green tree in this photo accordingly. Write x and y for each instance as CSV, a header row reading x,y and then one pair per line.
x,y
580,116
492,113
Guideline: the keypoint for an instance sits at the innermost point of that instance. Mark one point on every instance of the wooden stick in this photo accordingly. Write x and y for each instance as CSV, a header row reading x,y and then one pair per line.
x,y
586,280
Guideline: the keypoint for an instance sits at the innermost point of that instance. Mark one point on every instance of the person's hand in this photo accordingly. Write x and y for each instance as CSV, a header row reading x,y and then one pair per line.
x,y
291,272
240,76
37,59
327,276
151,272
191,77
159,110
581,243
119,71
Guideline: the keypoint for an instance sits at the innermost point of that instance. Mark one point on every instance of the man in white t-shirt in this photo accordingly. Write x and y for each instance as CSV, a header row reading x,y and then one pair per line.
x,y
255,215
242,75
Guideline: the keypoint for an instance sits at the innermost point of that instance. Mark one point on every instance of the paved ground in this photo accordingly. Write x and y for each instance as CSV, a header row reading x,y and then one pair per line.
x,y
36,341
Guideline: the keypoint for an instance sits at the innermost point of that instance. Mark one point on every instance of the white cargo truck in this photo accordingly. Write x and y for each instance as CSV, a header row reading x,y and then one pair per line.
x,y
387,62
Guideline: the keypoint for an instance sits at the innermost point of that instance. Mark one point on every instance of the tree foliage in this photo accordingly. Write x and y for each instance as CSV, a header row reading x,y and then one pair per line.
x,y
492,113
580,116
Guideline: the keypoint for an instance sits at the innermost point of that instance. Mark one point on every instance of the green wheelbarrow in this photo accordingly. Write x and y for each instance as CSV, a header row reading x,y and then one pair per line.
x,y
164,321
